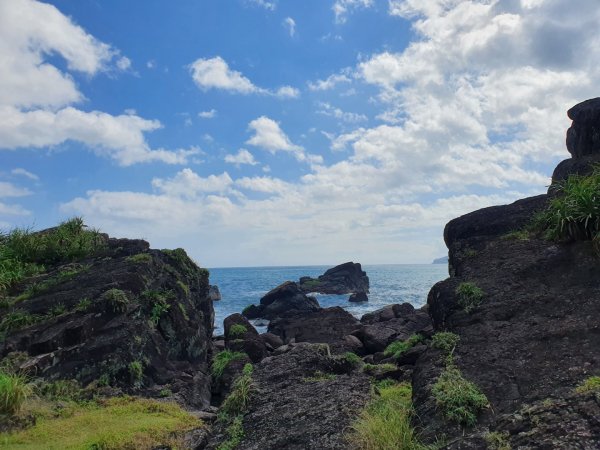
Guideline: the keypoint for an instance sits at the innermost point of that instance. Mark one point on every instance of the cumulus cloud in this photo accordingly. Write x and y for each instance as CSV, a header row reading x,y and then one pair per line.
x,y
211,114
243,156
287,92
36,97
327,110
188,184
268,5
290,26
341,8
329,83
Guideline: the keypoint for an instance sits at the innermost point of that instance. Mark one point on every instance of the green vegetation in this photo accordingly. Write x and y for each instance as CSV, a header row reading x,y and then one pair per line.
x,y
373,369
237,401
311,283
117,423
469,296
165,393
246,309
385,422
158,301
14,390
15,320
60,390
83,305
319,376
445,341
57,310
116,300
136,371
457,398
591,384
222,360
574,213
352,358
140,258
398,348
235,434
497,440
517,235
184,288
237,330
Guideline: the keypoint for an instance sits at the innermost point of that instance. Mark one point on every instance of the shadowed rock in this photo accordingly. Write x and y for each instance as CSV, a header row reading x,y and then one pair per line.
x,y
346,278
286,297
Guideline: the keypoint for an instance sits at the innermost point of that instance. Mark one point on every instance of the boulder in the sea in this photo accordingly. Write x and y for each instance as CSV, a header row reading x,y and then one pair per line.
x,y
214,293
358,297
346,278
284,298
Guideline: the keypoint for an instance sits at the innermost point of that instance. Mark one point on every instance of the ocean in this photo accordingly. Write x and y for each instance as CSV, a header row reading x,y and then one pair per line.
x,y
389,283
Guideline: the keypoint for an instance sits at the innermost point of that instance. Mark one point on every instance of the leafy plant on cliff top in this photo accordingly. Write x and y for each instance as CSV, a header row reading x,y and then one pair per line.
x,y
575,212
469,296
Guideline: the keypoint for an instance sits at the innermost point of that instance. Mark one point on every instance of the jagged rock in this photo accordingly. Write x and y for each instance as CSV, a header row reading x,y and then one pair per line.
x,y
343,279
387,313
583,138
272,340
247,341
284,298
296,407
358,297
214,293
327,326
97,316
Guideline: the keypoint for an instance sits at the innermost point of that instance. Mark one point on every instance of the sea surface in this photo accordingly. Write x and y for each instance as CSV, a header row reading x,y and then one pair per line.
x,y
390,283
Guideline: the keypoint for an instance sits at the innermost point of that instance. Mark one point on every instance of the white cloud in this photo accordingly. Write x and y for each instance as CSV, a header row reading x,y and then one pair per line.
x,y
243,156
36,97
10,190
331,82
341,8
287,92
188,184
208,114
327,110
25,173
290,26
263,184
151,64
268,5
13,210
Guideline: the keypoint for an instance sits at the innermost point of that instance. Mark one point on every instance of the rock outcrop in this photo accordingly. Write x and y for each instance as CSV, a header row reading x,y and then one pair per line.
x,y
346,278
214,293
128,316
285,298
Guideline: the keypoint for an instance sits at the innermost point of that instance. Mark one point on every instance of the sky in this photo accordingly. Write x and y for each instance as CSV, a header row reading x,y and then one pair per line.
x,y
283,132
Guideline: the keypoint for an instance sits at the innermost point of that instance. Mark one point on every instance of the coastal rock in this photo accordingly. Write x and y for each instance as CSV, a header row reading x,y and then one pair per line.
x,y
286,297
241,336
99,316
346,278
326,326
214,293
358,297
583,138
271,340
304,399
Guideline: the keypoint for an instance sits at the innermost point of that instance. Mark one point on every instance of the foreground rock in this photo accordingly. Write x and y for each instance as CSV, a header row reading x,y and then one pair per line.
x,y
303,399
134,318
346,278
285,298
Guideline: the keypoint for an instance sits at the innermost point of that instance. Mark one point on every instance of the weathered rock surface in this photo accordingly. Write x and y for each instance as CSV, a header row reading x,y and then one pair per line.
x,y
97,316
286,297
303,400
327,326
214,293
346,278
358,297
247,341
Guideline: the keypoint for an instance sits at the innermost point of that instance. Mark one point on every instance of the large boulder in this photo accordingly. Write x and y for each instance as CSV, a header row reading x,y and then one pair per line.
x,y
284,298
241,336
326,326
346,278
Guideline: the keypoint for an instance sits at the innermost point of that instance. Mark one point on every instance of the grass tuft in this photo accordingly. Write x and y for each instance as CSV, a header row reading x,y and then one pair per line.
x,y
116,300
239,398
469,296
222,360
237,330
445,341
14,390
591,384
398,348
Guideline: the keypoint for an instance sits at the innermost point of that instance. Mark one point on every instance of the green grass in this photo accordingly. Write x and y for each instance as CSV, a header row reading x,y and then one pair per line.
x,y
140,258
497,440
158,302
116,300
222,360
83,305
319,376
458,399
136,371
60,390
373,369
235,434
117,423
237,330
385,423
469,296
14,390
398,348
517,235
238,399
591,384
15,320
574,214
352,358
445,341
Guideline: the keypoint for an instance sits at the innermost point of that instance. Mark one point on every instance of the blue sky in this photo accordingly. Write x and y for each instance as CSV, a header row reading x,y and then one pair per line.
x,y
278,132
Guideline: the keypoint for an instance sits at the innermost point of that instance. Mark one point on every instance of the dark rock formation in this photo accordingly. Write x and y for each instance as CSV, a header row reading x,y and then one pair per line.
x,y
358,297
304,399
101,317
284,298
214,293
241,336
327,326
346,278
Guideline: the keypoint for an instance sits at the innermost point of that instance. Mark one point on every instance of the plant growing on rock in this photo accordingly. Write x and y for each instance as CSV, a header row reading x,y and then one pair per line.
x,y
14,390
459,399
469,296
398,348
116,300
352,358
16,320
239,398
136,371
591,384
158,302
445,341
222,360
237,330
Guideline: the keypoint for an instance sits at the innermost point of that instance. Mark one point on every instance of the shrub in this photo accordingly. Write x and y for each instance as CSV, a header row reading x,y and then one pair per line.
x,y
116,300
385,422
398,348
222,360
445,341
237,330
575,212
352,358
14,390
469,296
591,384
457,398
83,305
16,320
165,393
234,433
136,371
